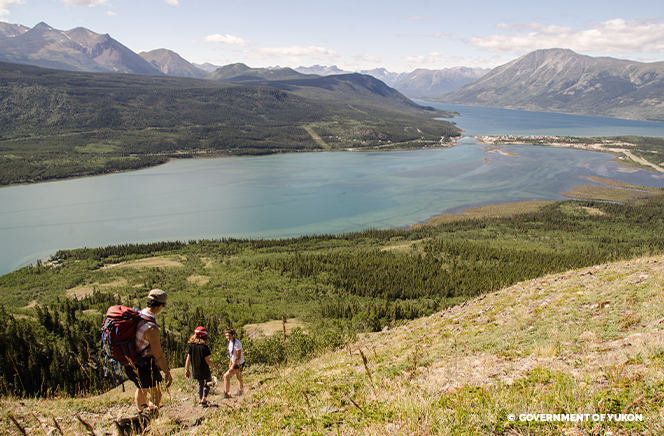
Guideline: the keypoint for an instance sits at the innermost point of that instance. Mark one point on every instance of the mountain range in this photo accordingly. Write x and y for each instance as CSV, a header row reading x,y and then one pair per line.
x,y
560,80
80,49
553,80
349,89
421,84
381,74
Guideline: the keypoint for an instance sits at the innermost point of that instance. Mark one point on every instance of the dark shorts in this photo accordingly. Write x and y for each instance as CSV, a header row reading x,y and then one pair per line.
x,y
148,375
238,366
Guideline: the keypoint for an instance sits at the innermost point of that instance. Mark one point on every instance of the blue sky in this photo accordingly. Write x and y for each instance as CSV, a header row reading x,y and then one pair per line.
x,y
360,34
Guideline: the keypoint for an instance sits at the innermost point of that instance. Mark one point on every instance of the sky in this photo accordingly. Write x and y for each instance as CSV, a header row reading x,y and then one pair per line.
x,y
358,35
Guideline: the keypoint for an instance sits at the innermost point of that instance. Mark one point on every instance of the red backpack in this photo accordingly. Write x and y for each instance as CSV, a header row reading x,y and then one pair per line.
x,y
118,335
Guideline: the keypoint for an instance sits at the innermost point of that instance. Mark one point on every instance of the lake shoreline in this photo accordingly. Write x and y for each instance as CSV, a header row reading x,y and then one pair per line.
x,y
633,161
207,155
611,191
497,210
618,147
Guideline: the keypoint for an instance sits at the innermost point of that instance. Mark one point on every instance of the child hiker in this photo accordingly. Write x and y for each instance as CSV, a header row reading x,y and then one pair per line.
x,y
198,356
235,365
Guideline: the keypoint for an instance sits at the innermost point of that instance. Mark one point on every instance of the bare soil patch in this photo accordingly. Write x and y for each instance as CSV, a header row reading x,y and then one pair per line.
x,y
198,279
83,290
271,327
153,262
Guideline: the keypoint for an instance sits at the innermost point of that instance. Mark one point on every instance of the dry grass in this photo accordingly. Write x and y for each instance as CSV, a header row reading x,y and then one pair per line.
x,y
83,290
497,210
271,327
613,191
152,262
198,279
603,193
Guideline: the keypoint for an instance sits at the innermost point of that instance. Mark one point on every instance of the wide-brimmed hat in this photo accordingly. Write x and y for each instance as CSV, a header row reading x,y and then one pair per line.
x,y
200,332
157,295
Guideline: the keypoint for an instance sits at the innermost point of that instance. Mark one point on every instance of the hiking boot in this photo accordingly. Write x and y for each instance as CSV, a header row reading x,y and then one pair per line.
x,y
149,413
237,393
226,396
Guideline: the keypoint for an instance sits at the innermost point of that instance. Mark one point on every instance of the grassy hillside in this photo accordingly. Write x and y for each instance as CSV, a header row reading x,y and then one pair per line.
x,y
58,124
586,341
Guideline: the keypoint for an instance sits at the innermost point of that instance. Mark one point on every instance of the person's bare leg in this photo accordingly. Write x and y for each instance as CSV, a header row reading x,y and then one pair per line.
x,y
240,382
227,382
140,399
155,395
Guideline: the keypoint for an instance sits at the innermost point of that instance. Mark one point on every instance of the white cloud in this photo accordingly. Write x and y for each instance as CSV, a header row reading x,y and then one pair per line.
x,y
615,36
5,4
429,59
228,39
111,13
367,58
84,2
297,51
173,2
444,35
418,18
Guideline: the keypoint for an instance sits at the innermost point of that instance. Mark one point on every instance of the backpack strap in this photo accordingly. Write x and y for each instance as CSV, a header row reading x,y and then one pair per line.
x,y
144,318
232,353
113,371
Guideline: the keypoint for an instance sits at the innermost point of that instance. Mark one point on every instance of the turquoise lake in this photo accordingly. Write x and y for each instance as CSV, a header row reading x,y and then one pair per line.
x,y
309,193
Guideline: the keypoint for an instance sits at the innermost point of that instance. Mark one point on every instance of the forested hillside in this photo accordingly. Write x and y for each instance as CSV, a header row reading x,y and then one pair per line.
x,y
338,285
58,124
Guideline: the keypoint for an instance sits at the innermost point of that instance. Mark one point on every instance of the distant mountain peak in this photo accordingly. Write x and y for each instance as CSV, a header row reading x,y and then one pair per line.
x,y
207,66
78,49
12,30
171,63
84,31
321,70
42,27
561,80
426,84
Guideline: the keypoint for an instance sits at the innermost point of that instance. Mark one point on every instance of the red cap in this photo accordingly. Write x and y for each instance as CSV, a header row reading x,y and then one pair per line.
x,y
201,332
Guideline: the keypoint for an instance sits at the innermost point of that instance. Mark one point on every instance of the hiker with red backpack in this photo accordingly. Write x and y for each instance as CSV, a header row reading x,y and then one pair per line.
x,y
130,340
146,376
198,357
